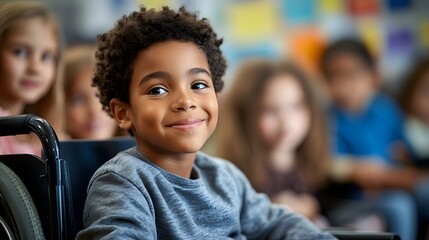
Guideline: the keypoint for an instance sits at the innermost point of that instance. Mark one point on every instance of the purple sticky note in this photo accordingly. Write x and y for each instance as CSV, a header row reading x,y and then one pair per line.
x,y
400,40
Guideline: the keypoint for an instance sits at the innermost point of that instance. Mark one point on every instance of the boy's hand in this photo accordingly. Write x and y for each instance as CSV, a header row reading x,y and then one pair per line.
x,y
369,175
373,176
405,178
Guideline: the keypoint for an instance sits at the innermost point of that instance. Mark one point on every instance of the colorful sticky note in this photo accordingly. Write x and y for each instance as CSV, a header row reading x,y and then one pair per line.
x,y
262,50
235,54
363,7
252,22
330,6
371,34
305,46
157,4
424,34
298,12
400,40
398,4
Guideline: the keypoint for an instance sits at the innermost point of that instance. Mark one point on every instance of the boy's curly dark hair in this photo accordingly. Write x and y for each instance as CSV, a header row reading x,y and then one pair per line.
x,y
132,33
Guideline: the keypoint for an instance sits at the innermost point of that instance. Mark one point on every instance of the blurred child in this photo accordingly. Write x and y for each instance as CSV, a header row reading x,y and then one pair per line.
x,y
274,129
29,66
415,102
158,73
369,135
85,117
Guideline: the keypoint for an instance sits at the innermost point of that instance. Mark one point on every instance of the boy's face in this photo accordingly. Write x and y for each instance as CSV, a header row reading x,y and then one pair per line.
x,y
351,83
173,106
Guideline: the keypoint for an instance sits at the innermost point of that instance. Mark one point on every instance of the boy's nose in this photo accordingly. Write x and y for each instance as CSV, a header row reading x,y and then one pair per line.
x,y
183,103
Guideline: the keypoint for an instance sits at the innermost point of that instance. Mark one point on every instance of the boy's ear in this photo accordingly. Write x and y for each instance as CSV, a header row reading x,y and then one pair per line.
x,y
121,113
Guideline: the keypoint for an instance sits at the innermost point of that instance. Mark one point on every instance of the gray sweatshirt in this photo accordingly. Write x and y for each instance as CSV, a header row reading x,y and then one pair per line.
x,y
129,197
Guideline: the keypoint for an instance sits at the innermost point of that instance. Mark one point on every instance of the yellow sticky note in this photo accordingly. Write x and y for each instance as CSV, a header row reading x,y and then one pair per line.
x,y
330,6
253,21
157,4
370,32
424,34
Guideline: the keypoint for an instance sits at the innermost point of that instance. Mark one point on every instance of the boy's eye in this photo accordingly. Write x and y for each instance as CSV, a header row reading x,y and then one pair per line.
x,y
20,52
199,85
157,91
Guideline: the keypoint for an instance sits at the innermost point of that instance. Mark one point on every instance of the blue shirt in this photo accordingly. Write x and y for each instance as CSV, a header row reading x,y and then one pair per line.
x,y
371,132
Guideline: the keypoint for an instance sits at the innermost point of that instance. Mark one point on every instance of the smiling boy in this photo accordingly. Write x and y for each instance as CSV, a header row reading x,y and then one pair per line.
x,y
158,73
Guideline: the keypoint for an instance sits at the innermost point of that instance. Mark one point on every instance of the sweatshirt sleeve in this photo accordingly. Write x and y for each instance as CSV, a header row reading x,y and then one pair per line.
x,y
260,219
116,209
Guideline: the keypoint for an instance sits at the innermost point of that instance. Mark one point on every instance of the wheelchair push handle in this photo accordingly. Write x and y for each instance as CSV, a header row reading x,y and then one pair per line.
x,y
15,125
27,123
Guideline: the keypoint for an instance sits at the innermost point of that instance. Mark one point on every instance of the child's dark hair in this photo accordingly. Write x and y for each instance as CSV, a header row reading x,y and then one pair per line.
x,y
351,46
415,76
135,32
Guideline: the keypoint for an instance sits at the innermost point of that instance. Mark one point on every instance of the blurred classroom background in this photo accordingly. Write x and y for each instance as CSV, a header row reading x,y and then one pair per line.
x,y
397,31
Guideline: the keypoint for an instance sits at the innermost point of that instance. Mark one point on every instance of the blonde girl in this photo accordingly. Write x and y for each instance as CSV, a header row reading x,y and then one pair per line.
x,y
29,69
85,118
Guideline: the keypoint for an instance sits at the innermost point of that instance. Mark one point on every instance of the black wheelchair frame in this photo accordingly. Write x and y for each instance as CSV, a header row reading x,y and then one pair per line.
x,y
48,180
53,162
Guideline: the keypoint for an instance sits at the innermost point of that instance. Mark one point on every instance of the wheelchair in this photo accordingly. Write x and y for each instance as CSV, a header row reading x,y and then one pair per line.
x,y
43,198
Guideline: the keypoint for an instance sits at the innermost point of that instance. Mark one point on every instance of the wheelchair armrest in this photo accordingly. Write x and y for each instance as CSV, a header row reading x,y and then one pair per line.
x,y
355,235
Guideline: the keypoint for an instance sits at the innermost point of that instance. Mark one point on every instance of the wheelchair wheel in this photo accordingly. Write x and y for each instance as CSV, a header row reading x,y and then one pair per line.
x,y
18,216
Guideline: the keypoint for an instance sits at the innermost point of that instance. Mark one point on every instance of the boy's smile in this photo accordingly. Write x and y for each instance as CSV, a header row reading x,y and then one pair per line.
x,y
173,105
186,124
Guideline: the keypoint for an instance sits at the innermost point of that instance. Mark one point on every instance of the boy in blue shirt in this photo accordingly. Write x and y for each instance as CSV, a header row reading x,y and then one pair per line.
x,y
158,74
367,123
368,129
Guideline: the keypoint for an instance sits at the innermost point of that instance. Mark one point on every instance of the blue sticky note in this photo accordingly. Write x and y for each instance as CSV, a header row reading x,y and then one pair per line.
x,y
398,4
297,12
